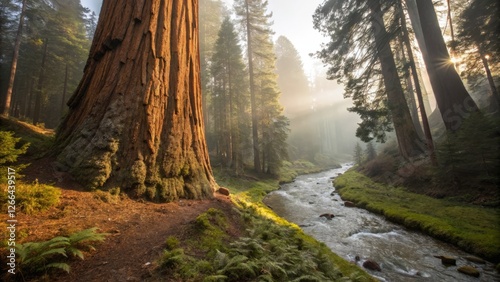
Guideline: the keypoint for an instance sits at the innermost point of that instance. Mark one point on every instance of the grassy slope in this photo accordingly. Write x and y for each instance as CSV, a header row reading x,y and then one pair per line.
x,y
472,228
40,139
251,192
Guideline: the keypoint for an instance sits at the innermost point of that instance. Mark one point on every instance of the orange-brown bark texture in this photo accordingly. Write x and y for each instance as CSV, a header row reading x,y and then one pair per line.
x,y
135,120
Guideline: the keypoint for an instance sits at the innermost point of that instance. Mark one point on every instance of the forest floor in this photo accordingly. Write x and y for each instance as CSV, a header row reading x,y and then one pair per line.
x,y
137,229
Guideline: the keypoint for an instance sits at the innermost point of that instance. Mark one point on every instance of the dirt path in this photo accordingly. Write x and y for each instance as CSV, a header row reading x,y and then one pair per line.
x,y
137,229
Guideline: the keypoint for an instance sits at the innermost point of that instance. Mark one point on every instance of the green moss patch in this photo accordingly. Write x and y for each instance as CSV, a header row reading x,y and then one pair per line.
x,y
472,228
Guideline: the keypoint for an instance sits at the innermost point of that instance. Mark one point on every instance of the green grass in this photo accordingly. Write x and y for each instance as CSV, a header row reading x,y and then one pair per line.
x,y
248,193
474,229
31,198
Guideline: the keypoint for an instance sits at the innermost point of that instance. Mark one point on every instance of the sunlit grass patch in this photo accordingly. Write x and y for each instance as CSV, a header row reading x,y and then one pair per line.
x,y
472,228
248,194
31,198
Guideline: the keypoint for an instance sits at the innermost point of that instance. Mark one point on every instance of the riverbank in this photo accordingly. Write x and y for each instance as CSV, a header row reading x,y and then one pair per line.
x,y
471,228
250,191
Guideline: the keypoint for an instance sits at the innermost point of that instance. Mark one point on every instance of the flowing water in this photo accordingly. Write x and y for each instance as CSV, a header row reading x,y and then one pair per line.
x,y
402,254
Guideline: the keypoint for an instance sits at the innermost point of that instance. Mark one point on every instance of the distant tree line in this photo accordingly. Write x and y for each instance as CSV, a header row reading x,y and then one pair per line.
x,y
49,43
244,118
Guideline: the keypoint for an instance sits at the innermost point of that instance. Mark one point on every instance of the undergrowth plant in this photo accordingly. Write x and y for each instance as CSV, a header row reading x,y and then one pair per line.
x,y
37,257
9,152
32,198
268,252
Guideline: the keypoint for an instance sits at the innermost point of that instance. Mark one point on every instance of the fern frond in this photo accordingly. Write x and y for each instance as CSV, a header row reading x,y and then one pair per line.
x,y
58,265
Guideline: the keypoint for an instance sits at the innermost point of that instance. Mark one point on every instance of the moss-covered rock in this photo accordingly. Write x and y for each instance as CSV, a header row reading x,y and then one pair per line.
x,y
469,270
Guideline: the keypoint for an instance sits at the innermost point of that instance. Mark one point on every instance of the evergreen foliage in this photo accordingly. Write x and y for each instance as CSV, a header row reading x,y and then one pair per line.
x,y
479,48
470,157
370,151
211,14
9,153
296,99
358,154
360,56
292,81
268,123
41,89
229,99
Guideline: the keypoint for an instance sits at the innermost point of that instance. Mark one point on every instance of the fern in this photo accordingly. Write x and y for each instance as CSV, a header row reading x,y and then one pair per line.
x,y
35,257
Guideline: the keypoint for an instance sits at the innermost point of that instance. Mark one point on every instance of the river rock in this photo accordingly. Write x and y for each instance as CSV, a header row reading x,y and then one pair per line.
x,y
348,204
371,265
223,191
447,260
469,270
333,193
475,259
328,216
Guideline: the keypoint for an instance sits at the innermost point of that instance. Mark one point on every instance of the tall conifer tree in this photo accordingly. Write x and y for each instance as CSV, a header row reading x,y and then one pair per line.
x,y
229,97
269,126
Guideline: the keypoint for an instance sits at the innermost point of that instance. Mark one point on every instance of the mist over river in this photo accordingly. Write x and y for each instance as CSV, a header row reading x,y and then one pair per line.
x,y
403,255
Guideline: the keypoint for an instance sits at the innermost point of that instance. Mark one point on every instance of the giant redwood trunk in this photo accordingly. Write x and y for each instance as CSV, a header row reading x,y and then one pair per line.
x,y
135,120
409,143
453,100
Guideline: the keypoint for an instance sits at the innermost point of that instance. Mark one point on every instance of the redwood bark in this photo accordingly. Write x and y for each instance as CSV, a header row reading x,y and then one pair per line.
x,y
135,120
453,100
409,143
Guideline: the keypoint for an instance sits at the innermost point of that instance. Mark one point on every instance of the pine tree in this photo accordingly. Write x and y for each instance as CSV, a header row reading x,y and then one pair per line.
x,y
361,58
292,81
480,45
358,154
211,15
268,123
370,151
51,58
229,97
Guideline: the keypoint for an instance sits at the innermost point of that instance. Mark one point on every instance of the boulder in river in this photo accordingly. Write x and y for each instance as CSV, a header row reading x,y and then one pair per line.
x,y
348,204
328,216
447,260
371,265
469,270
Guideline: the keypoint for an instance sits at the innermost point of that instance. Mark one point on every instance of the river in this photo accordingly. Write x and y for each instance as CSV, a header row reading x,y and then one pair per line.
x,y
403,255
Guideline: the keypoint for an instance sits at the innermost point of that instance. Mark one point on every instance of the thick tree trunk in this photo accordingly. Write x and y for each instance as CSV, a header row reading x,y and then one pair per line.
x,y
65,88
408,141
253,102
13,66
41,83
418,89
135,120
453,100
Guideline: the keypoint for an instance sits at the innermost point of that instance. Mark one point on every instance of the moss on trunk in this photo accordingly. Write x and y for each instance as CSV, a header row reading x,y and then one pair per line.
x,y
135,120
